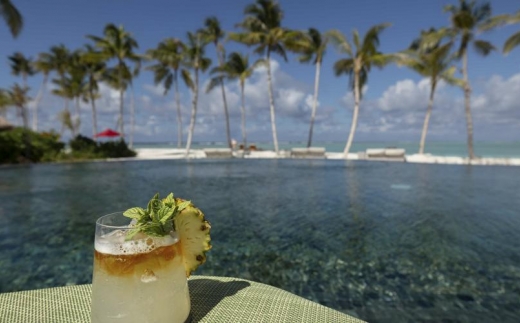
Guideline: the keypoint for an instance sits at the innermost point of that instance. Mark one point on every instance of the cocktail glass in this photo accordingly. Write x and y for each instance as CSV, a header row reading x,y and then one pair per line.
x,y
142,280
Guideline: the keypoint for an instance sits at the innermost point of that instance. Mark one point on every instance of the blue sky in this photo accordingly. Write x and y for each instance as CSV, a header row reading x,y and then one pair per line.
x,y
395,99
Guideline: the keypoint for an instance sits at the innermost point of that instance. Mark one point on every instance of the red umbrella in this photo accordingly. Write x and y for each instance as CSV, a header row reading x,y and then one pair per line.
x,y
108,133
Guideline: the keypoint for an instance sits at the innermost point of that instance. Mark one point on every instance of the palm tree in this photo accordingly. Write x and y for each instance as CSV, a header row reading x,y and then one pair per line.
x,y
12,17
311,45
358,64
213,33
78,84
262,28
59,60
432,60
21,66
17,97
169,55
119,44
67,89
94,65
466,19
44,66
196,61
236,67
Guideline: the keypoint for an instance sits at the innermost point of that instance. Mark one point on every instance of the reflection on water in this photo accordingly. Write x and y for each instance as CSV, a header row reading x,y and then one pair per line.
x,y
388,242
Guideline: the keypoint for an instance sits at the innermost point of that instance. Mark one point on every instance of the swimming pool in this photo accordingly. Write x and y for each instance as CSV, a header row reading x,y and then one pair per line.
x,y
387,242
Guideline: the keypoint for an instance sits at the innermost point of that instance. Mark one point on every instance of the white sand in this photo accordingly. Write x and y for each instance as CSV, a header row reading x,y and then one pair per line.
x,y
176,153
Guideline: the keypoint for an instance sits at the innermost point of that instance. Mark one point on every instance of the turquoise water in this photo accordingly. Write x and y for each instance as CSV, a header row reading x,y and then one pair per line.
x,y
387,242
482,149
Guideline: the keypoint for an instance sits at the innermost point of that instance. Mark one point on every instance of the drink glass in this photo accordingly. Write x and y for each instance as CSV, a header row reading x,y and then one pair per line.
x,y
141,280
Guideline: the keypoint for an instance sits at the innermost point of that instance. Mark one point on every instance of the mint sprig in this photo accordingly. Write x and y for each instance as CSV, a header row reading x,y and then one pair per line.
x,y
157,219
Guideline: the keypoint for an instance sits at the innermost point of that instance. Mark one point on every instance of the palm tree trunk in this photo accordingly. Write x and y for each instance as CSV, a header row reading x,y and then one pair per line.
x,y
315,101
226,113
427,117
467,107
132,118
66,109
23,114
39,97
271,102
355,115
121,98
94,115
193,112
179,115
77,118
243,110
120,121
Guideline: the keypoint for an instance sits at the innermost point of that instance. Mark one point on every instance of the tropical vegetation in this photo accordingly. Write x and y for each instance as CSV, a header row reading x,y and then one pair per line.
x,y
113,59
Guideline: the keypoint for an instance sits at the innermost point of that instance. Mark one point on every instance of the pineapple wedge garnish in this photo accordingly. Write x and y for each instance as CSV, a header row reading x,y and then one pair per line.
x,y
193,231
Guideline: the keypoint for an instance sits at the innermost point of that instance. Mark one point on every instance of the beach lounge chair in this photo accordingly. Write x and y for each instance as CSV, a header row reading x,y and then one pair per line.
x,y
218,152
386,154
311,152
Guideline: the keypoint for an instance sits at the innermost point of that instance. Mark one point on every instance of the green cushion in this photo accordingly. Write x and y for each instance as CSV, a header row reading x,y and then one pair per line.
x,y
213,299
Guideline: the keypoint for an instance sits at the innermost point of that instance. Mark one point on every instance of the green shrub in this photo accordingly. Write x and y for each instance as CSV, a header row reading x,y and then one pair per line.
x,y
23,145
115,149
84,147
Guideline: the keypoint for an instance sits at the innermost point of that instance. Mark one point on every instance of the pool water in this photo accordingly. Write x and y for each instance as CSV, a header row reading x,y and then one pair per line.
x,y
386,242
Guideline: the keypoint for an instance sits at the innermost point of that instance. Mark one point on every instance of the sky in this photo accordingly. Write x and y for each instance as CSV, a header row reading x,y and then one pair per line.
x,y
394,101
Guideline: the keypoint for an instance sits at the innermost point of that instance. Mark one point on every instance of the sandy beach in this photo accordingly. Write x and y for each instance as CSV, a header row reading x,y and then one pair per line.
x,y
176,153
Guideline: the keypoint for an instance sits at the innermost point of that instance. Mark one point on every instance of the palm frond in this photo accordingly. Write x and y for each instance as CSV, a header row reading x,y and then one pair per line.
x,y
343,66
494,22
511,42
339,40
449,77
213,82
186,77
483,47
12,17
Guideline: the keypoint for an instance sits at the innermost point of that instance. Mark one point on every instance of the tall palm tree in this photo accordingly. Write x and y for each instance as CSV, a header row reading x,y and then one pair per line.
x,y
311,45
21,66
95,67
236,67
12,17
466,19
58,58
119,44
262,28
68,88
17,97
197,62
44,66
358,64
78,84
432,60
169,55
214,33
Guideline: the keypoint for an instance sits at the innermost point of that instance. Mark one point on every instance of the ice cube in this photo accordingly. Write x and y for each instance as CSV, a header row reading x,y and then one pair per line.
x,y
148,276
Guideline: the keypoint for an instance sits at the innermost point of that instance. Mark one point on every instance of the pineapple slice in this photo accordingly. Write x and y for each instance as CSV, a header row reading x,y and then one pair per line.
x,y
194,238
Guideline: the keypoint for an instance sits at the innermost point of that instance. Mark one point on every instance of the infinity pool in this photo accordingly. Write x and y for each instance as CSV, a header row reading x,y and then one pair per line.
x,y
386,242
